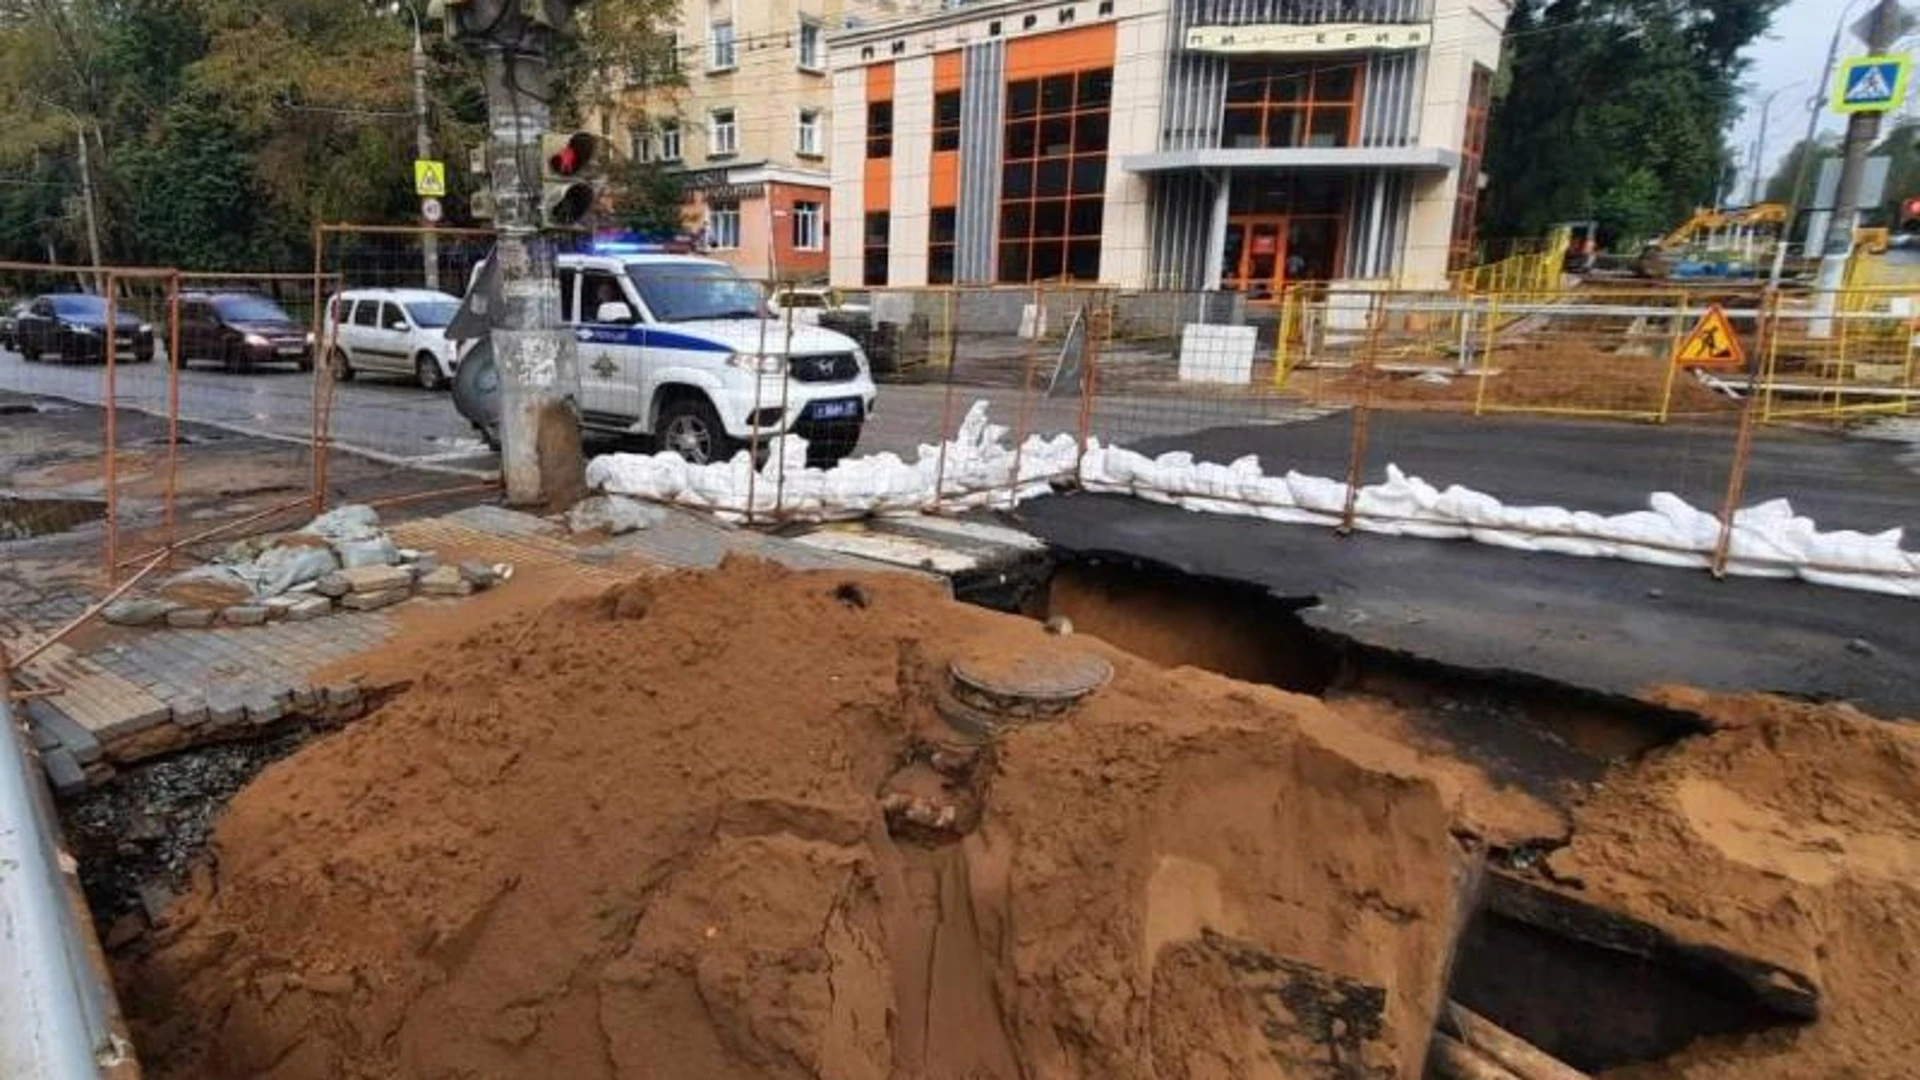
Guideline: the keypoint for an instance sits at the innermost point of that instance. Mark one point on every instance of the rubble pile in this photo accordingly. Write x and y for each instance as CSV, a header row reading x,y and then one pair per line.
x,y
341,560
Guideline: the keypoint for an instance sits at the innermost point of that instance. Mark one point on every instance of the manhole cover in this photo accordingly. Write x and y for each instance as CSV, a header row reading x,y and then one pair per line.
x,y
1032,685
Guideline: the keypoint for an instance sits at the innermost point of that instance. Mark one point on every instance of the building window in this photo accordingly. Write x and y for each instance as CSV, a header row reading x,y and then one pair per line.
x,y
673,51
941,229
806,226
720,55
723,226
723,134
879,129
670,141
1291,104
640,143
806,137
946,120
874,247
1473,148
812,51
1054,176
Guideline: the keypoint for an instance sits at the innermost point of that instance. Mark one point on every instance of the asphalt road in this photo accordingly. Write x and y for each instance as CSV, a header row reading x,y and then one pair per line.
x,y
1609,626
394,419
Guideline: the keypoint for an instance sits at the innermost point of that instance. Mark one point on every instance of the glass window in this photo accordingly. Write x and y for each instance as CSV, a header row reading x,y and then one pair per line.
x,y
723,133
391,318
806,226
79,306
243,307
366,313
1287,104
1051,209
941,230
680,292
806,139
879,129
670,141
598,288
720,56
432,314
946,120
874,261
813,53
723,225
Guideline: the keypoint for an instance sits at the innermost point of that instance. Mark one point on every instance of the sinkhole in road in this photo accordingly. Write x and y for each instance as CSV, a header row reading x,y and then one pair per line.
x,y
1596,987
23,517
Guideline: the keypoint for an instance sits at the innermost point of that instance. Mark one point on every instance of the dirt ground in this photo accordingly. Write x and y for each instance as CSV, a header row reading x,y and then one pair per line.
x,y
659,832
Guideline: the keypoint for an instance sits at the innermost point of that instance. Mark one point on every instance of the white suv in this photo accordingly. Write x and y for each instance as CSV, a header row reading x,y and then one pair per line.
x,y
392,332
683,349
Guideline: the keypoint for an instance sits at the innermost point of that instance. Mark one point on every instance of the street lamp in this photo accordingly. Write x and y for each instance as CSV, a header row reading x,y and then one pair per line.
x,y
1760,142
423,146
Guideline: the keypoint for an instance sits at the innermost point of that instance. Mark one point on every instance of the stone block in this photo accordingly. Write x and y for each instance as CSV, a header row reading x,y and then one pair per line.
x,y
64,773
244,615
190,617
343,694
333,586
479,574
306,698
189,711
445,581
308,607
225,712
369,601
378,578
63,732
265,710
140,611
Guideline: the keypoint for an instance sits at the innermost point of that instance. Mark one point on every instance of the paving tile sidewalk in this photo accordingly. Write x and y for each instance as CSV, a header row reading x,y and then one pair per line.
x,y
136,693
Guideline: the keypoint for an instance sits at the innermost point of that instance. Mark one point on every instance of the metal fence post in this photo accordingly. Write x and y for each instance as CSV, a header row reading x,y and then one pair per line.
x,y
111,334
174,364
322,372
1357,447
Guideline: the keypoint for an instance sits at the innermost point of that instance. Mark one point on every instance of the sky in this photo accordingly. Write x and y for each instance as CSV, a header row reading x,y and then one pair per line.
x,y
1788,58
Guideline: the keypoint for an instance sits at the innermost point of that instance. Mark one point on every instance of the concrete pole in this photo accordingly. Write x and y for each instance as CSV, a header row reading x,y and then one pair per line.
x,y
1862,129
423,149
87,207
540,456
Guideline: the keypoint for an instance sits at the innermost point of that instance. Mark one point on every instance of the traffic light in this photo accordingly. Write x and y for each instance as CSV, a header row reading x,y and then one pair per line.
x,y
1910,214
565,193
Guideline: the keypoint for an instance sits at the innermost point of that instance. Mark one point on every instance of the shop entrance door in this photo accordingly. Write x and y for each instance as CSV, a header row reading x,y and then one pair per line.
x,y
1264,254
1254,258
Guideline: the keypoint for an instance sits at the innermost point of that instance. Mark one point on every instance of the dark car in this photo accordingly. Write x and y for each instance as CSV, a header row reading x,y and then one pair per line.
x,y
9,336
72,325
240,330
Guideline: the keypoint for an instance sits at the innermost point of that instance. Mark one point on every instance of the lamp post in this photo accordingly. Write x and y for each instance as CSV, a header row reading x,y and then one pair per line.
x,y
423,148
1760,143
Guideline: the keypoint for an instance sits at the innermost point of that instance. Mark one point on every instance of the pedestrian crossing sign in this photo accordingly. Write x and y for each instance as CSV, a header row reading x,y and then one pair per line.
x,y
1711,343
1871,84
429,178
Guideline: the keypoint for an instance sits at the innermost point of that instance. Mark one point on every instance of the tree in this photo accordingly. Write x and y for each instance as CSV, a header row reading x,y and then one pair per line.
x,y
647,199
1614,111
1780,186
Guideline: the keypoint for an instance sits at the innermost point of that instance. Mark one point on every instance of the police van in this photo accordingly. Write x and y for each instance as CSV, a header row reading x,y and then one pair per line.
x,y
683,350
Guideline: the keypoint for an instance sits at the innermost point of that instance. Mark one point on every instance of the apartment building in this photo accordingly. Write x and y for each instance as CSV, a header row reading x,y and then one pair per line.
x,y
747,127
1179,144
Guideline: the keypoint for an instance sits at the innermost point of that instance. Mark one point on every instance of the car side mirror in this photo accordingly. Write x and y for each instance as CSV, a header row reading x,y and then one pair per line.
x,y
397,324
613,311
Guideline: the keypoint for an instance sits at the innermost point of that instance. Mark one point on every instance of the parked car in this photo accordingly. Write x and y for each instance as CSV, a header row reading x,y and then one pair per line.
x,y
680,350
392,332
9,320
72,325
811,303
241,330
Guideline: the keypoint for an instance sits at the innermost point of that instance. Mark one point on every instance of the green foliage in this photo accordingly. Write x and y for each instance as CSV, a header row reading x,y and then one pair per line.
x,y
1780,186
224,130
647,198
1614,111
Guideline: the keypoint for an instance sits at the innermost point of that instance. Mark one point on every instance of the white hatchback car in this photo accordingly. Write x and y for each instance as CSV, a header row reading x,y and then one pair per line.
x,y
392,332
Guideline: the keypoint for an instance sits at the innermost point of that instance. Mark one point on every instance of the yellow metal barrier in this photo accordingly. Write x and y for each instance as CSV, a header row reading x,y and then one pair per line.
x,y
1838,355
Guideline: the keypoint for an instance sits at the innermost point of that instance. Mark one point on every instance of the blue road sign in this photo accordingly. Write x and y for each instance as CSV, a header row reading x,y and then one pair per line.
x,y
1871,84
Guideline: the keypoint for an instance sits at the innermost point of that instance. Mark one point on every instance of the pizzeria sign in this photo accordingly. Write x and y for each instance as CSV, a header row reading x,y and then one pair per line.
x,y
1324,37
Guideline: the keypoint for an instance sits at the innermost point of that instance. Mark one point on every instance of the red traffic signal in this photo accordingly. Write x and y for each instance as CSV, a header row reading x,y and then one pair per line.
x,y
569,154
1910,209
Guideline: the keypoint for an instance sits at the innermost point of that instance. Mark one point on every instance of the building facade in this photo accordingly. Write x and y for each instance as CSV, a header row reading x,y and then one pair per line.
x,y
1170,144
745,122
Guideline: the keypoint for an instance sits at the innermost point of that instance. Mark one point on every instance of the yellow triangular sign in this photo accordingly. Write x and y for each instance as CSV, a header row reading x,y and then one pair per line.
x,y
1711,343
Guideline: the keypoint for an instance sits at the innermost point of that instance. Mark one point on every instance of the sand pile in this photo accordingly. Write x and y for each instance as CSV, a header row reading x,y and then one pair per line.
x,y
645,836
1792,835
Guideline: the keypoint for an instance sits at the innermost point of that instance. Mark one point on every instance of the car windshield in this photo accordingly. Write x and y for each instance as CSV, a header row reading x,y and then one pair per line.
x,y
682,292
79,306
433,314
249,309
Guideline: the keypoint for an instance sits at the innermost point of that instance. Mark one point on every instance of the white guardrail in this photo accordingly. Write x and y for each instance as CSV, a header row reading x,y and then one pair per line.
x,y
57,1011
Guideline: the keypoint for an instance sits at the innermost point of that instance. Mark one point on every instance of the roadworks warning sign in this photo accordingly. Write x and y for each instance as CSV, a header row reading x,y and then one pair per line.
x,y
1711,343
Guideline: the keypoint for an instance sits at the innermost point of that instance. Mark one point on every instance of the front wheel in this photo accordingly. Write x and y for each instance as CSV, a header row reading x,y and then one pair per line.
x,y
339,365
689,427
426,372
